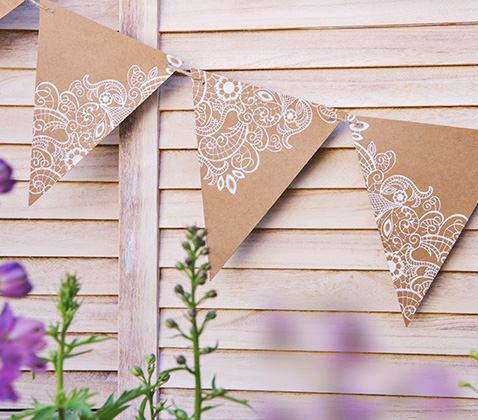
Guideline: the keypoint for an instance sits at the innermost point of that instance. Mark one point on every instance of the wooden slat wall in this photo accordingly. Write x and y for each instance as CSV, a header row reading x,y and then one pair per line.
x,y
72,228
316,257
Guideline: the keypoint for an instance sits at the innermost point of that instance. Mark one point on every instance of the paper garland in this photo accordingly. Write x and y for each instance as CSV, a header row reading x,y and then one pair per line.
x,y
252,143
89,79
421,180
6,6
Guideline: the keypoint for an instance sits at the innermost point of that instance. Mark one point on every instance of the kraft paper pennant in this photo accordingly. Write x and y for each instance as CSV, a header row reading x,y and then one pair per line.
x,y
89,79
252,143
421,181
6,6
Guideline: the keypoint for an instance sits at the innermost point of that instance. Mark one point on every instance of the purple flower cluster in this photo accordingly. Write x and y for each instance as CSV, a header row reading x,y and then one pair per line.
x,y
6,180
20,340
14,280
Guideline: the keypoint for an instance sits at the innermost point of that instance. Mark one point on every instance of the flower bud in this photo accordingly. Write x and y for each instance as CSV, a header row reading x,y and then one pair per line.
x,y
179,289
181,360
188,261
150,359
205,267
204,251
181,415
180,266
202,233
6,180
210,315
164,377
14,281
220,392
186,245
137,371
192,312
211,294
171,323
202,277
474,353
208,349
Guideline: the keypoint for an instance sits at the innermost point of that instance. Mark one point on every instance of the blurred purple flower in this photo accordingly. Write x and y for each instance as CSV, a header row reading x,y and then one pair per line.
x,y
20,340
6,180
14,280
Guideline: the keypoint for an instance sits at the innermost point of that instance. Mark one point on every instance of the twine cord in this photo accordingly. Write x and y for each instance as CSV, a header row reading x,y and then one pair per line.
x,y
41,6
187,73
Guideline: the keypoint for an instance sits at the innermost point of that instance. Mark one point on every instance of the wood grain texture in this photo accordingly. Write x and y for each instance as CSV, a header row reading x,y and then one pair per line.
x,y
321,249
348,88
371,374
76,201
451,45
139,167
26,16
324,290
267,405
97,314
45,385
300,331
295,209
214,15
178,128
48,238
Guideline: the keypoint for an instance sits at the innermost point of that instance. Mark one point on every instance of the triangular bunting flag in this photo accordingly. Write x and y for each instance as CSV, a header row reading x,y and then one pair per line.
x,y
421,180
89,79
6,6
252,143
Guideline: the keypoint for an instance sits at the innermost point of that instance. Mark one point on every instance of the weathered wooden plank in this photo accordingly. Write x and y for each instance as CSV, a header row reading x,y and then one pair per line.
x,y
178,130
97,314
80,201
213,15
296,209
321,249
139,203
324,290
21,238
101,164
103,357
322,372
327,169
268,405
379,47
298,331
16,126
26,16
348,88
98,276
43,386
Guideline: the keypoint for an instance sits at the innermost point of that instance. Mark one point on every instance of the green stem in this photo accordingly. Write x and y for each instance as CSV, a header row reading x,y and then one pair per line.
x,y
195,338
60,392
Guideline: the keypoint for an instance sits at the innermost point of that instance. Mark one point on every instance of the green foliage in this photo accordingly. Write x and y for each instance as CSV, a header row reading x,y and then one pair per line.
x,y
464,384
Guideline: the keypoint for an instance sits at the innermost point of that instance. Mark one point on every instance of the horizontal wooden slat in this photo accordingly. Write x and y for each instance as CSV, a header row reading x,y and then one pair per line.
x,y
291,406
211,15
324,290
346,88
104,355
298,331
58,238
70,200
43,386
178,129
293,49
97,314
322,249
26,16
326,373
16,126
97,276
101,164
378,87
327,169
420,46
296,209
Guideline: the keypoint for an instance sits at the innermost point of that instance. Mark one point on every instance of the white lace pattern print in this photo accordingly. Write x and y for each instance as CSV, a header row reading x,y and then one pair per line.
x,y
416,235
236,122
69,124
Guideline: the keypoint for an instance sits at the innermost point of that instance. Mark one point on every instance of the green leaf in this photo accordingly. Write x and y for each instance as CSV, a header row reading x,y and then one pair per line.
x,y
236,400
45,413
209,407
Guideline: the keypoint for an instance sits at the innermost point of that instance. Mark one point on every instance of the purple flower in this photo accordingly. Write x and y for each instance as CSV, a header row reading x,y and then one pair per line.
x,y
6,180
14,281
20,340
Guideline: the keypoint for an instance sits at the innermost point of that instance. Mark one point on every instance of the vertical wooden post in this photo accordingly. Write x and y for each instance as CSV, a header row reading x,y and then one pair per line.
x,y
138,220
